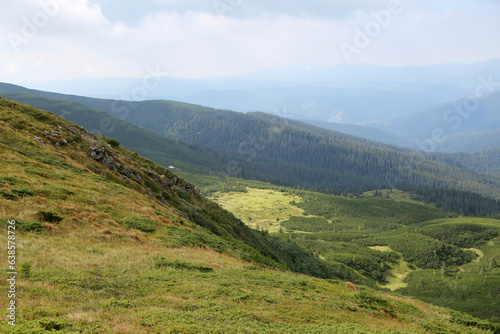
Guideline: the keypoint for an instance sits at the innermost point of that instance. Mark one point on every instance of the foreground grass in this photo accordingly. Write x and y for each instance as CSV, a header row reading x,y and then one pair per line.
x,y
78,283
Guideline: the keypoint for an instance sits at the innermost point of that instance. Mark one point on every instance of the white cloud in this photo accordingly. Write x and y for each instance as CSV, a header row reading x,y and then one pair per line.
x,y
189,38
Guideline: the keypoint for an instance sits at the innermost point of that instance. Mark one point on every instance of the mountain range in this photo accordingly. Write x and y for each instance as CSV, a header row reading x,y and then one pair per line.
x,y
390,99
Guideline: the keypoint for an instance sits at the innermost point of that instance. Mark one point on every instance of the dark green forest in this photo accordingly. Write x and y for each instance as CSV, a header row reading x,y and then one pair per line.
x,y
460,202
262,147
488,161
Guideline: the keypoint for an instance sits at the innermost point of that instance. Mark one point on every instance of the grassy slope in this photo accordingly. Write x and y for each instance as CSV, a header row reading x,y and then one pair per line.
x,y
93,273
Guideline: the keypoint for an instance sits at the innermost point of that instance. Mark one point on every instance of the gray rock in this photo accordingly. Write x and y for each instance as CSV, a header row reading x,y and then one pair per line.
x,y
109,161
74,131
97,153
126,172
38,139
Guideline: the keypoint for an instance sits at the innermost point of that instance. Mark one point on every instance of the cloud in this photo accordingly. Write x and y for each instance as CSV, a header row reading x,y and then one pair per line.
x,y
190,38
243,9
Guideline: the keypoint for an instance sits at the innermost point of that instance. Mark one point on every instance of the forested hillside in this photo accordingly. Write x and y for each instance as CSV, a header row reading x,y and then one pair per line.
x,y
272,149
488,161
279,151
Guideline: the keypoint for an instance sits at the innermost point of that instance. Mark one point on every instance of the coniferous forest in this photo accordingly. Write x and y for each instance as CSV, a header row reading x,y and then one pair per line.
x,y
289,153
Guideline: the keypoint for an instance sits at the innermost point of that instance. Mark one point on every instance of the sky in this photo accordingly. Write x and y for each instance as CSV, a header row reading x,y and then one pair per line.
x,y
67,39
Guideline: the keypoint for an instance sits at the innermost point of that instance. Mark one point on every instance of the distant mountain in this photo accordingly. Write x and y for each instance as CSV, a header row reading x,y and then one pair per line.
x,y
351,94
369,75
367,132
340,105
465,124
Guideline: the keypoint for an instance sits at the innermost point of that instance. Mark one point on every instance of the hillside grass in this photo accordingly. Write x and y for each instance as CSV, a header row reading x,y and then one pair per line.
x,y
79,282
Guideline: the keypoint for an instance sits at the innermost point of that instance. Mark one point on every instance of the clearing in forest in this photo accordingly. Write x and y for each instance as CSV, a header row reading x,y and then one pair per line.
x,y
262,209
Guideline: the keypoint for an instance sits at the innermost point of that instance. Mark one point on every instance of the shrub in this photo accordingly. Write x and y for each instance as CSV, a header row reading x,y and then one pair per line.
x,y
29,226
8,195
113,142
25,269
142,224
52,324
51,217
368,301
12,181
23,192
113,302
38,115
161,262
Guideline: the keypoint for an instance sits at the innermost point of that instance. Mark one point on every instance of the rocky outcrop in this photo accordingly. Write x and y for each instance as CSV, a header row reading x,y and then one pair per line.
x,y
101,154
40,140
107,157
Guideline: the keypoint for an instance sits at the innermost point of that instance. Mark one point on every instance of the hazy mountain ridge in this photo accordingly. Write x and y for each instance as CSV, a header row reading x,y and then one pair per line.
x,y
366,94
441,127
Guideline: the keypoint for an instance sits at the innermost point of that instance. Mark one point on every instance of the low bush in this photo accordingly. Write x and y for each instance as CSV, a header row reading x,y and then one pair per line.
x,y
113,142
8,195
51,217
142,224
29,226
161,262
24,192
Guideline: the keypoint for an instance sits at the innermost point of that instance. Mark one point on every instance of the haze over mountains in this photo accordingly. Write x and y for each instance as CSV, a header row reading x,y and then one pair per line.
x,y
393,105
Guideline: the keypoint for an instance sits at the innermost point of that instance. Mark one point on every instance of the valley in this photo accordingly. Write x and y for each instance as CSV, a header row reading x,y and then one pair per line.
x,y
262,209
371,240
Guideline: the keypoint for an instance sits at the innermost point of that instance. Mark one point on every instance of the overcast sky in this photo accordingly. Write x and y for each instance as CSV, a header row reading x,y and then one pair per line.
x,y
64,39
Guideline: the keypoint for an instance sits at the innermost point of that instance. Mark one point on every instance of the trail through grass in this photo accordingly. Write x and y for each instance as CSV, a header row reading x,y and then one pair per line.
x,y
396,275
